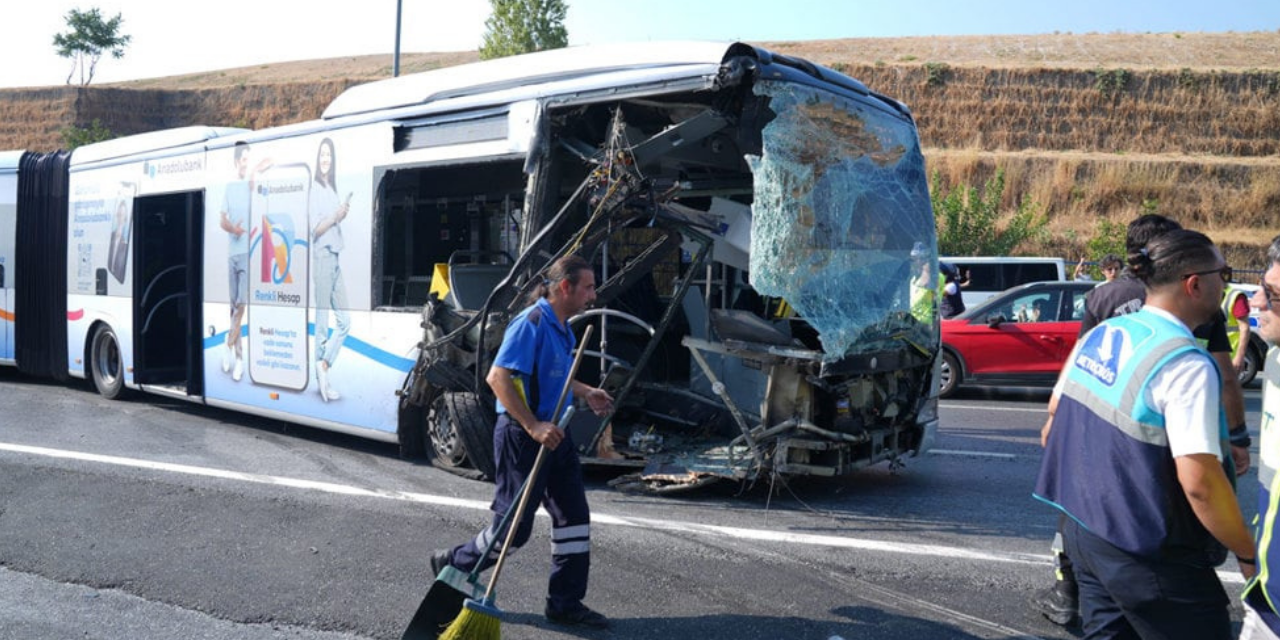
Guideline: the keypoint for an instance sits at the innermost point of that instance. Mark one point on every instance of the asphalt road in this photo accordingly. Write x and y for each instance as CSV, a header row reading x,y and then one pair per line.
x,y
153,518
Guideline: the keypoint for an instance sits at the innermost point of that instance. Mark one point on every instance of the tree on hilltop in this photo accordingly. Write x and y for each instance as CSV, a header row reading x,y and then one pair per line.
x,y
524,26
89,36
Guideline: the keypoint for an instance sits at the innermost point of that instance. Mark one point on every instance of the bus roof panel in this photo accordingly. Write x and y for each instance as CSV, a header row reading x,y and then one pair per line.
x,y
9,161
524,70
151,141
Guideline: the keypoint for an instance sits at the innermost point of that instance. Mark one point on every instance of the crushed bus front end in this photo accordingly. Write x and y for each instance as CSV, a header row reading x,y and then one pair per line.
x,y
755,235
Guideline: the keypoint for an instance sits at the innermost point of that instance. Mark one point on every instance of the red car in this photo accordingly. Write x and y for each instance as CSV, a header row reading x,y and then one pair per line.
x,y
1019,337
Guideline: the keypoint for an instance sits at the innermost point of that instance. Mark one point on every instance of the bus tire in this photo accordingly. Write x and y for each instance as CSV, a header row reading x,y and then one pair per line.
x,y
105,364
461,432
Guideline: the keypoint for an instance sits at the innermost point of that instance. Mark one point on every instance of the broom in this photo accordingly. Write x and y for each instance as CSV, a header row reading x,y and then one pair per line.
x,y
481,619
449,593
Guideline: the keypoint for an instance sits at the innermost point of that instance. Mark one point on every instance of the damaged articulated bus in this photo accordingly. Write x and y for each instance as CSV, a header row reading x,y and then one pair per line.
x,y
755,222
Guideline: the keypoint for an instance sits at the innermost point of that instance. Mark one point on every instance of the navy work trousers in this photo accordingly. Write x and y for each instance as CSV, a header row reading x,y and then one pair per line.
x,y
1124,596
560,490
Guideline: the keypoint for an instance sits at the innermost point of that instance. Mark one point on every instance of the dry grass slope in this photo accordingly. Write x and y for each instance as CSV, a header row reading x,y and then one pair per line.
x,y
1089,126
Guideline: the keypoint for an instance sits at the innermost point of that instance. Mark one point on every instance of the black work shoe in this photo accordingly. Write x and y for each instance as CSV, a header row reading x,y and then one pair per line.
x,y
440,560
580,616
1058,603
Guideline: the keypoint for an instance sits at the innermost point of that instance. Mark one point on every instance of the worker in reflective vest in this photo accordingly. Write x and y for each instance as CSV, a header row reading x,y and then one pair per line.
x,y
1134,457
926,285
1235,305
1260,596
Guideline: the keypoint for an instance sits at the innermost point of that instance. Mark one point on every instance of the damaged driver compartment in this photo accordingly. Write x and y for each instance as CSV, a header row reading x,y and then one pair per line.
x,y
752,224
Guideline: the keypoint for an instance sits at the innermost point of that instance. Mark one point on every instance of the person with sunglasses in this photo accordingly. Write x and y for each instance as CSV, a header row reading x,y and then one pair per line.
x,y
1126,294
1136,457
1260,596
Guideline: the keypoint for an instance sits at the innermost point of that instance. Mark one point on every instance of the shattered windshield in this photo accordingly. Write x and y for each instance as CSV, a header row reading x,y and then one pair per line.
x,y
840,200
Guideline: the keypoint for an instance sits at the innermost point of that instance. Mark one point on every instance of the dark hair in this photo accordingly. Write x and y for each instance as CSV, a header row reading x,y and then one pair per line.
x,y
1111,260
323,179
1273,252
569,267
1169,256
241,148
1144,229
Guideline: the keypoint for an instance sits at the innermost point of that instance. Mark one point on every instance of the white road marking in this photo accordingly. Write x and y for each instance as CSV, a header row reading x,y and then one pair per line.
x,y
980,454
760,535
987,407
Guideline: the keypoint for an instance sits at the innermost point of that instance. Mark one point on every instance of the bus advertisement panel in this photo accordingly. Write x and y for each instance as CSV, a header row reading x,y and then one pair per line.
x,y
8,220
287,238
101,222
278,279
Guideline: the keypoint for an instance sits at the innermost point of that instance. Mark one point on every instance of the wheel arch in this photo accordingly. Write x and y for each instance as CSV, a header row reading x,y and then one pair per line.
x,y
955,353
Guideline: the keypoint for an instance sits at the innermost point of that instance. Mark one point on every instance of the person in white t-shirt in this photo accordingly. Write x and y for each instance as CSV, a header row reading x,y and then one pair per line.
x,y
1134,458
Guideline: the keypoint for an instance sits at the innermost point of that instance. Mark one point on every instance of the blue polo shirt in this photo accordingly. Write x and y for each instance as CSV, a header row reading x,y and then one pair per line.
x,y
539,348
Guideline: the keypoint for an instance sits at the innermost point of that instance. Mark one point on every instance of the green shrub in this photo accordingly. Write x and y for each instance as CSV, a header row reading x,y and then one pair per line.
x,y
1108,237
969,220
1111,82
76,136
936,74
1187,79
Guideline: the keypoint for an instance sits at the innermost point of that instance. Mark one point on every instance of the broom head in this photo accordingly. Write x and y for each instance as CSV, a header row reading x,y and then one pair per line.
x,y
479,620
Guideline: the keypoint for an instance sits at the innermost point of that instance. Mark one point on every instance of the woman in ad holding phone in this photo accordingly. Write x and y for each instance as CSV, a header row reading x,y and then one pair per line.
x,y
327,212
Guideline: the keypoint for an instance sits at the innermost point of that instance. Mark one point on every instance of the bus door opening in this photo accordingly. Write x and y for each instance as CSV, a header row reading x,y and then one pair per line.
x,y
167,290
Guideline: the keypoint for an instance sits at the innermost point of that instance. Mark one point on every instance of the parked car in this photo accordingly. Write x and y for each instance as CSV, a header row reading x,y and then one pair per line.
x,y
989,275
1019,337
1022,336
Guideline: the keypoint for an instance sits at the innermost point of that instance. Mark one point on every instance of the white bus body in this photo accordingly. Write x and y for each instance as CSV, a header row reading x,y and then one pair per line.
x,y
734,169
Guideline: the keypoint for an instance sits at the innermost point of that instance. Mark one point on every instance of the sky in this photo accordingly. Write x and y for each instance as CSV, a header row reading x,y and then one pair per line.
x,y
171,38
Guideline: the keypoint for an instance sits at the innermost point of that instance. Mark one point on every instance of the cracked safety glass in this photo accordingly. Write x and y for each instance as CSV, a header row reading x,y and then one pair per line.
x,y
840,201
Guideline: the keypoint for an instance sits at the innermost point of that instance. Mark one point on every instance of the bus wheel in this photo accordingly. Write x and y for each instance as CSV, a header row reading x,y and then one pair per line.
x,y
105,365
461,431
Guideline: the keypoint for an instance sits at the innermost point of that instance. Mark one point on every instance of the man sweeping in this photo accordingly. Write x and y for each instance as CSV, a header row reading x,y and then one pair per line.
x,y
527,375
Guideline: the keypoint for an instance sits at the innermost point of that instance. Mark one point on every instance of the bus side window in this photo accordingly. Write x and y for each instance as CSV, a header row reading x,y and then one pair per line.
x,y
428,214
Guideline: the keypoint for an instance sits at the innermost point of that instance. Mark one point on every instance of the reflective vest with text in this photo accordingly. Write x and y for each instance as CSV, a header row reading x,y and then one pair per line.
x,y
1107,462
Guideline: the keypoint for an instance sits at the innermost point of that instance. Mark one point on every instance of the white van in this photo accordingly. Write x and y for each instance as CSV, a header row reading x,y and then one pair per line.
x,y
989,275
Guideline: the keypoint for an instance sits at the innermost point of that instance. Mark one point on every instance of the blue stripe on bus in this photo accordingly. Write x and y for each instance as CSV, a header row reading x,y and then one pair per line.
x,y
353,343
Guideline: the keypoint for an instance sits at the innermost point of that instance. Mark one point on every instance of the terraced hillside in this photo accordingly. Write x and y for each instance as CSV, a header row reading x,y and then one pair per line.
x,y
1089,126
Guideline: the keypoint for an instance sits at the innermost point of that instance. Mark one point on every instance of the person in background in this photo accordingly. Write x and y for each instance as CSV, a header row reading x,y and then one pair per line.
x,y
954,280
1111,266
1261,619
1135,457
1124,295
1037,311
1081,273
925,285
1235,305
